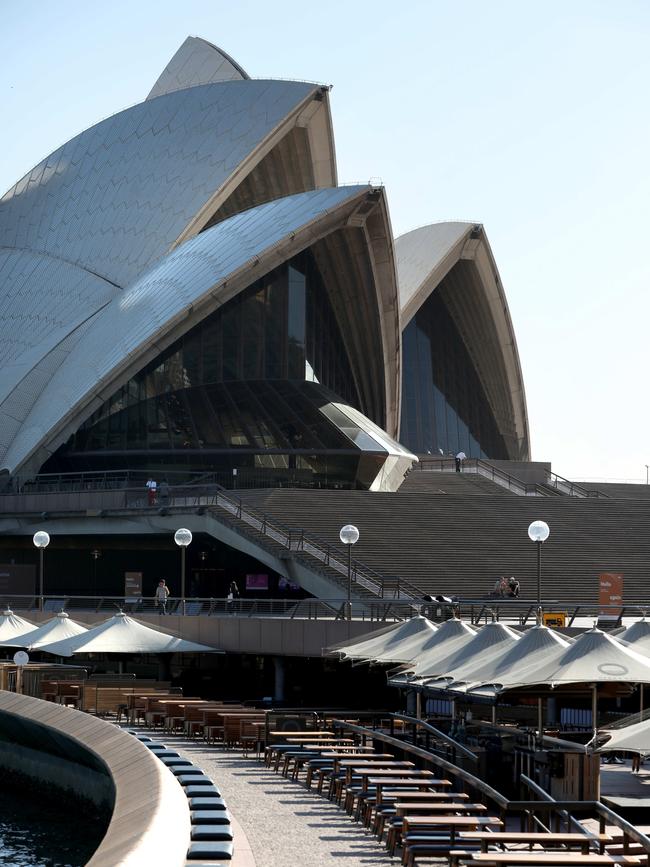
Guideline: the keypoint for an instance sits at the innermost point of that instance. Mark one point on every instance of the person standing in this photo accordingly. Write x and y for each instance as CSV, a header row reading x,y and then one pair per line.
x,y
151,492
161,594
460,457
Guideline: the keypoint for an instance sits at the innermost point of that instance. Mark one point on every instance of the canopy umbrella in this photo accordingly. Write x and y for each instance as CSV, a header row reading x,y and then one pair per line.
x,y
635,738
123,634
451,636
12,627
637,635
593,658
57,629
485,642
399,642
535,646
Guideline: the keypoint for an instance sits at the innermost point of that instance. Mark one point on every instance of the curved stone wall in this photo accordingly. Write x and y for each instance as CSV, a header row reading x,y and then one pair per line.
x,y
150,822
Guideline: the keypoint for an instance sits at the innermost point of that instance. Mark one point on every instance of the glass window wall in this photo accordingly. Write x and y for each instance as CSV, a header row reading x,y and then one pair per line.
x,y
443,403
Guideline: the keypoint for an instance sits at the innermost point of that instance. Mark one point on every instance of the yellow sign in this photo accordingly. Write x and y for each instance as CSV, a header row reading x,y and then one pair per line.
x,y
555,619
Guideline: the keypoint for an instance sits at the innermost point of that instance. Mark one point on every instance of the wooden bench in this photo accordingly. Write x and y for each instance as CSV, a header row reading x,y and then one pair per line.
x,y
549,859
532,838
416,844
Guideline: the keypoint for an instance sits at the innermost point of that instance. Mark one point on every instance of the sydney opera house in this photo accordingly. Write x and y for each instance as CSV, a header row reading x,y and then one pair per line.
x,y
186,288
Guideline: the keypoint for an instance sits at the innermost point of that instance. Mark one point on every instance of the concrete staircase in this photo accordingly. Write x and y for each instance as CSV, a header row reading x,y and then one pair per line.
x,y
457,544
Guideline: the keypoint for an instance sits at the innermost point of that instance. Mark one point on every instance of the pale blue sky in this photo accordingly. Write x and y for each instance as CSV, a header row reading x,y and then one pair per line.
x,y
530,118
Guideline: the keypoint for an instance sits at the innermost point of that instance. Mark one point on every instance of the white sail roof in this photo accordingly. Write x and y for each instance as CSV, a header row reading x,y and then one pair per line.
x,y
451,636
123,634
12,627
535,645
484,643
637,635
196,62
384,643
57,629
594,657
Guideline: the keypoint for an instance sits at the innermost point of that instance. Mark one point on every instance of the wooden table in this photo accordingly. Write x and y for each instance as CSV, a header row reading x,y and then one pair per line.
x,y
411,807
554,840
434,823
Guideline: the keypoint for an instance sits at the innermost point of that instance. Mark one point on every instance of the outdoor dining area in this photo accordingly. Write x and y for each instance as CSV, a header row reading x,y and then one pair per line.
x,y
437,813
425,793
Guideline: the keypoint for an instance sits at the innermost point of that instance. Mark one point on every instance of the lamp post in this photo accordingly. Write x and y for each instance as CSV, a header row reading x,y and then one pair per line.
x,y
349,535
647,479
182,538
41,541
95,554
538,532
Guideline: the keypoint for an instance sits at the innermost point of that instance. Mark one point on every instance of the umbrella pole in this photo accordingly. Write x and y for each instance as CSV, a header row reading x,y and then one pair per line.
x,y
641,699
594,708
494,714
418,705
540,721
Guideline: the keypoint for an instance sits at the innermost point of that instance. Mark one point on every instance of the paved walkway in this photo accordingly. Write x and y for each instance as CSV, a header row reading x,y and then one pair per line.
x,y
285,824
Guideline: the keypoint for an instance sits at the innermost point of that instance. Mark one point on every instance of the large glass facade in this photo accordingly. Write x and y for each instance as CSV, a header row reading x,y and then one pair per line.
x,y
443,403
264,382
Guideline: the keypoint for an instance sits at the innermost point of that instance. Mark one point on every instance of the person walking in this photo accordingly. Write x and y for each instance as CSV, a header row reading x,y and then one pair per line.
x,y
233,593
161,594
460,457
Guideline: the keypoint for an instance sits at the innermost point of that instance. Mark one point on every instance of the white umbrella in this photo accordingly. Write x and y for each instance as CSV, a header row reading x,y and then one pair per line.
x,y
637,635
452,635
483,646
389,644
123,634
12,627
56,629
594,657
635,738
535,646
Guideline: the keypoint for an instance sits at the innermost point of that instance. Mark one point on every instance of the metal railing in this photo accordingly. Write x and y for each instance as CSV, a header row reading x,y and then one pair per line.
x,y
605,816
237,478
207,497
553,484
545,813
292,609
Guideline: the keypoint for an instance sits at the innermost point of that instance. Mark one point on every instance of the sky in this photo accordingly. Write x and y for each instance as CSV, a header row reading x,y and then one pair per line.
x,y
531,118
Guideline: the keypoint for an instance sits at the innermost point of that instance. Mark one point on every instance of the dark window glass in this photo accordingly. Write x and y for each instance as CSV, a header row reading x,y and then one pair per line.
x,y
443,403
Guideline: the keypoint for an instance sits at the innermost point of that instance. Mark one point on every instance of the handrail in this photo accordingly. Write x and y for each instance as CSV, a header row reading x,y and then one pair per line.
x,y
297,540
308,608
467,753
461,774
506,480
604,812
546,802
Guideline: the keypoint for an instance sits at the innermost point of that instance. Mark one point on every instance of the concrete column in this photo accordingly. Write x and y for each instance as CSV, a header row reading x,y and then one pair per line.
x,y
278,678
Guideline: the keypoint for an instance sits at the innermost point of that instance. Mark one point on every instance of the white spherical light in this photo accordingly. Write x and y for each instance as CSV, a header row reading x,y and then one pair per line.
x,y
538,531
183,537
349,534
41,539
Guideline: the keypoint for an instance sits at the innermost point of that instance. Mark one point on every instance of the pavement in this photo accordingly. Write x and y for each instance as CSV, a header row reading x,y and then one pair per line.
x,y
278,822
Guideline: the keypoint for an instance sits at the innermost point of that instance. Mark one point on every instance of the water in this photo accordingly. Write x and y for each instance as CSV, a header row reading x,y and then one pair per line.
x,y
38,832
